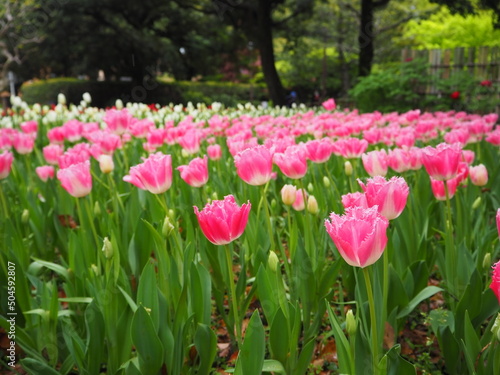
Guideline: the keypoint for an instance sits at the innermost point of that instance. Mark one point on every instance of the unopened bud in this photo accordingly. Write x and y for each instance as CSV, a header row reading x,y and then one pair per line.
x,y
106,163
348,168
310,187
312,205
288,194
184,153
97,209
61,99
94,269
107,248
350,323
119,104
273,203
87,98
476,203
167,227
215,196
487,261
25,217
326,182
273,261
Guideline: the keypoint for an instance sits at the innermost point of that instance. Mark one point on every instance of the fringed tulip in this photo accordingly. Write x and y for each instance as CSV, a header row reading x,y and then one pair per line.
x,y
45,172
6,159
196,172
153,175
355,199
359,235
389,196
375,163
223,221
52,152
319,150
254,165
76,179
292,162
214,152
495,280
118,121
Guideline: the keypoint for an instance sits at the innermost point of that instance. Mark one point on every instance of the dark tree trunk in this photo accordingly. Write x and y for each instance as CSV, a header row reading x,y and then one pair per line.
x,y
367,35
264,36
365,38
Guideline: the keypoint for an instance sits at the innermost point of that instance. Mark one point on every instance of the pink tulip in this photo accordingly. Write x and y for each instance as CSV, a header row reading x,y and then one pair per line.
x,y
292,162
45,172
329,104
156,137
389,195
441,162
214,152
355,199
141,128
52,152
72,130
399,160
468,156
6,159
319,150
153,175
478,175
223,221
118,121
254,165
190,141
23,143
299,204
350,148
56,135
29,127
495,280
359,235
196,172
76,179
375,163
439,191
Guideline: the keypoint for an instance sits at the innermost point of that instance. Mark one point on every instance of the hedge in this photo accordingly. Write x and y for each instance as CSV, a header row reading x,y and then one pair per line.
x,y
104,94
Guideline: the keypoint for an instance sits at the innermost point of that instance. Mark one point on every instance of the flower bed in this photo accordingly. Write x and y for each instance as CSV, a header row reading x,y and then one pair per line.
x,y
191,239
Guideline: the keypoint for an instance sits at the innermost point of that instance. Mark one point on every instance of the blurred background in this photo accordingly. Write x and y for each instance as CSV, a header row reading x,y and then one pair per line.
x,y
386,55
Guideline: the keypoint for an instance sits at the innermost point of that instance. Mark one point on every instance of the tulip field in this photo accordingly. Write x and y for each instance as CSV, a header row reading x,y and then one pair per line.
x,y
142,239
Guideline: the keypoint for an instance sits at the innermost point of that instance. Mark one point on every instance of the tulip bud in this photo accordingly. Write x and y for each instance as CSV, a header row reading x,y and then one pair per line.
x,y
94,269
107,248
310,187
25,217
106,163
97,209
350,322
167,227
87,98
326,181
312,205
288,194
171,214
273,261
348,168
184,153
273,203
215,196
487,261
119,104
476,203
61,98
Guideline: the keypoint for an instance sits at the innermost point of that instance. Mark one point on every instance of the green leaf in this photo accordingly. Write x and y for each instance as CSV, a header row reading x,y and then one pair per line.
x,y
251,357
205,342
146,342
425,293
76,299
266,294
279,337
343,348
305,358
57,268
146,293
129,299
200,293
270,365
471,345
35,367
94,324
393,364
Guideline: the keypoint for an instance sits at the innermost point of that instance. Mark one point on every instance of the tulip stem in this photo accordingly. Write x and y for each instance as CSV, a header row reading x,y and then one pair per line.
x,y
373,320
232,296
4,204
307,227
268,216
451,261
91,221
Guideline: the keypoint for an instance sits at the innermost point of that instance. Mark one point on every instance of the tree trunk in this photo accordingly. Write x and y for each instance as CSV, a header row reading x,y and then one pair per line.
x,y
365,38
264,42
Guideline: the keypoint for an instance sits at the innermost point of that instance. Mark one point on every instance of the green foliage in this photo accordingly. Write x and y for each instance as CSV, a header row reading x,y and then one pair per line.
x,y
403,87
104,94
446,30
